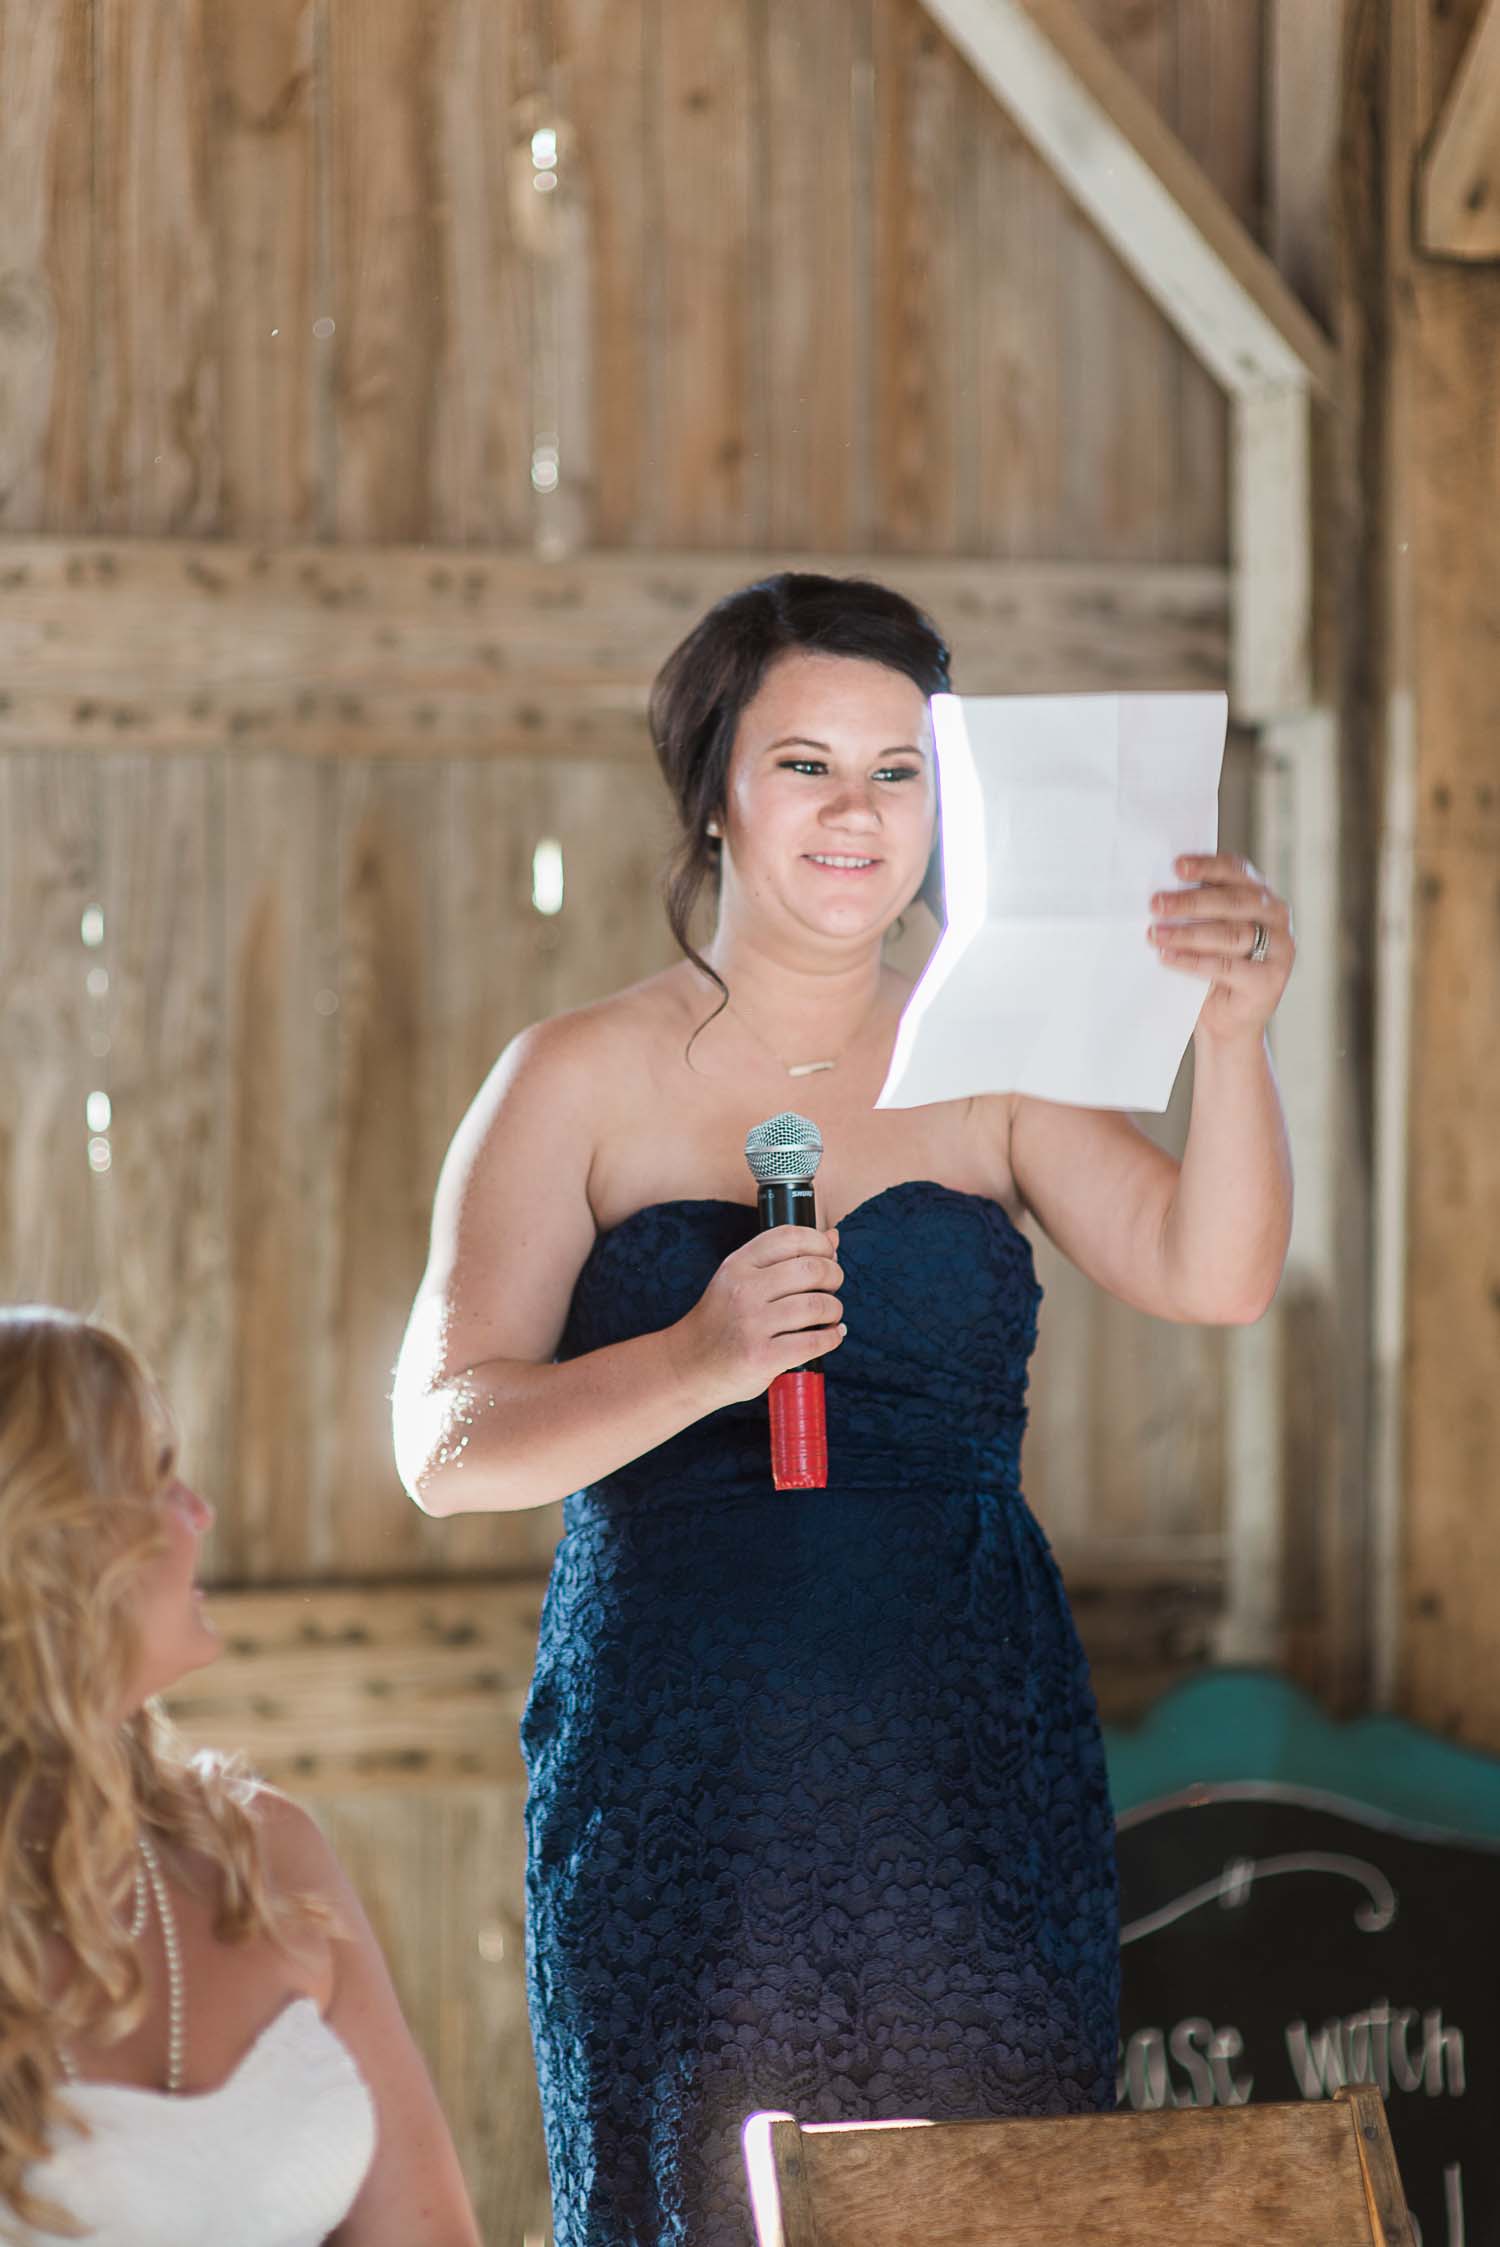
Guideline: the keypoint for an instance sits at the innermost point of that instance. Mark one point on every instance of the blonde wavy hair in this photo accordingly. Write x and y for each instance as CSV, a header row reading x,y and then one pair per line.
x,y
86,1450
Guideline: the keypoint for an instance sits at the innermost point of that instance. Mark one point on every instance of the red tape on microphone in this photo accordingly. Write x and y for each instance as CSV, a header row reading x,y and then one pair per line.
x,y
799,1431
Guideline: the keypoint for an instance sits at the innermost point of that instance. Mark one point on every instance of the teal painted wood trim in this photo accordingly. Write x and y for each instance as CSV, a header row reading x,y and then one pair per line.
x,y
1232,1726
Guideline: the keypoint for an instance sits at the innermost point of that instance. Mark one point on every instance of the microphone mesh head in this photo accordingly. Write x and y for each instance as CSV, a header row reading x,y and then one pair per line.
x,y
783,1149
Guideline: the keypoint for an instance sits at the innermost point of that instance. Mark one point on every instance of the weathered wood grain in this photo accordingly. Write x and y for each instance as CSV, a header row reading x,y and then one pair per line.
x,y
55,1033
46,251
1432,579
1120,480
164,1277
1452,1398
1113,148
283,975
815,226
711,486
387,313
157,440
386,652
475,139
274,374
1022,244
419,1683
607,81
1216,74
387,875
1290,2173
1460,171
1301,96
441,1880
922,420
378,1686
803,344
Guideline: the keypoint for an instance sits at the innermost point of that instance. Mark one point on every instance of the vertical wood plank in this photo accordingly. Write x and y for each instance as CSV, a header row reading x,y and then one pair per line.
x,y
1444,563
481,425
282,1001
158,463
1449,1630
379,1151
918,440
387,294
606,67
46,252
1020,463
441,1878
814,345
1118,356
615,826
55,1035
709,311
1157,1434
165,1279
484,993
1216,108
273,372
1058,1465
1301,99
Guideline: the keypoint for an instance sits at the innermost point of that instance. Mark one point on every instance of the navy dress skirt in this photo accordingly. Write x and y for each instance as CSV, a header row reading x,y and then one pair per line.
x,y
818,1815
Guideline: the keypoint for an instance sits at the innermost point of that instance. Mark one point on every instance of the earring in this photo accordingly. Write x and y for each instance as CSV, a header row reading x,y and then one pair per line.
x,y
713,830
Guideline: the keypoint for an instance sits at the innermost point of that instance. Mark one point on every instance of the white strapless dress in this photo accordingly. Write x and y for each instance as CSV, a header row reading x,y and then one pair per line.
x,y
273,2158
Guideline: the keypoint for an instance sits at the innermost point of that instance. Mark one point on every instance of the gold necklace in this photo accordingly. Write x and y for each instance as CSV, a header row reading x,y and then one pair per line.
x,y
805,1068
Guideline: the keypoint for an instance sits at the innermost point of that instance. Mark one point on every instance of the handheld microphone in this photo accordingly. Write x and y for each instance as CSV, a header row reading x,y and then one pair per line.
x,y
783,1154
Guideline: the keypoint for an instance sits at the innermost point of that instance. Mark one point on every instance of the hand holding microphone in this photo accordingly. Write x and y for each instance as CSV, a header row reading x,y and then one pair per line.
x,y
783,1154
772,1306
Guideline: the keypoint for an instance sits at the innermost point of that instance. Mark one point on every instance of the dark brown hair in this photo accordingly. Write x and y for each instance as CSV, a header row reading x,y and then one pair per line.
x,y
701,691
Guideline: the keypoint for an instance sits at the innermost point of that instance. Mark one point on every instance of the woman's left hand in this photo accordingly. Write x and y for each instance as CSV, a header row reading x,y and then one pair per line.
x,y
1213,929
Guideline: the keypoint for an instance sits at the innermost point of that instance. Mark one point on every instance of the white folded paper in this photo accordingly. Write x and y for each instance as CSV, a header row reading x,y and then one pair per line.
x,y
1060,816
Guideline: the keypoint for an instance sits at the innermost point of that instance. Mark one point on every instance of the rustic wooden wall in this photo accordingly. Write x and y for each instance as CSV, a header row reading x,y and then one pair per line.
x,y
280,272
284,273
1437,413
279,275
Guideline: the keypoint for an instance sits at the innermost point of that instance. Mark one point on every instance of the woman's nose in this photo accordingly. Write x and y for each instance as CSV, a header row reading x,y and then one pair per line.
x,y
200,1512
853,804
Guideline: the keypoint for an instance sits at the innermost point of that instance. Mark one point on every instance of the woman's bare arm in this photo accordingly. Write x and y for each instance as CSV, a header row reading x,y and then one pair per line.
x,y
414,2194
1205,1239
484,1420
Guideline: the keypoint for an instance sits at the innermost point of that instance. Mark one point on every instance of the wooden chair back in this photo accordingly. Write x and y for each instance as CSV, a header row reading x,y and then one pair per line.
x,y
1315,2175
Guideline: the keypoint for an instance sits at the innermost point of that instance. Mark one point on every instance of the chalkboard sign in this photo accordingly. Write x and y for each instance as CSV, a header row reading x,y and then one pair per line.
x,y
1279,1940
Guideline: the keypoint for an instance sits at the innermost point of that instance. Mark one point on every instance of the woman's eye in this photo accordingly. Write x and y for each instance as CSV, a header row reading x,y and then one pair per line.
x,y
899,772
803,764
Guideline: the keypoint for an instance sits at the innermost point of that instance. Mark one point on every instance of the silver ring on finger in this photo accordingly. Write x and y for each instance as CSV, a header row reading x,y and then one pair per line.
x,y
1260,944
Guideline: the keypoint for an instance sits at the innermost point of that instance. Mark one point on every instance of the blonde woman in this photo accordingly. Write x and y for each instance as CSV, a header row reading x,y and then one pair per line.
x,y
199,2039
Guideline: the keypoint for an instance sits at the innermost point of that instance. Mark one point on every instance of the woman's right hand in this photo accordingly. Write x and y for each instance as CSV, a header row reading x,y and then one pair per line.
x,y
771,1305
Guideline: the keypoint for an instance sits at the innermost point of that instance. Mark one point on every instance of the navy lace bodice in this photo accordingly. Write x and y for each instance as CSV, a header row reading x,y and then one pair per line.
x,y
818,1814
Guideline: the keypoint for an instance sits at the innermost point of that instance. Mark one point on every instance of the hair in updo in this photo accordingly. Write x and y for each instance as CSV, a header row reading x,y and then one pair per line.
x,y
701,691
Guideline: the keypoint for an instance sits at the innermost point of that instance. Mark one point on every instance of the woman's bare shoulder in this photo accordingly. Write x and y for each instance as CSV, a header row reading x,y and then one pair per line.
x,y
619,1031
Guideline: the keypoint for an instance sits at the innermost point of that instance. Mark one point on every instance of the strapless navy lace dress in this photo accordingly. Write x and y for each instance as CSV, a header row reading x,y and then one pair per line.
x,y
818,1815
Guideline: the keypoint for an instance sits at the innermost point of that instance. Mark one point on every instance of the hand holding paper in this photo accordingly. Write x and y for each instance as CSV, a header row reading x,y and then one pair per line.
x,y
1060,816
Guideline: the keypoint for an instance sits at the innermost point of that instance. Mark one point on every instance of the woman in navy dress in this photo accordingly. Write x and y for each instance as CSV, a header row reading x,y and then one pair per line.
x,y
818,1815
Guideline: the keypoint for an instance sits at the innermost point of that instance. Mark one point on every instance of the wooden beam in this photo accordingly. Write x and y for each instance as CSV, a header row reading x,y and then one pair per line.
x,y
326,1688
1437,1291
1270,524
333,1689
1459,179
384,651
1122,163
1300,89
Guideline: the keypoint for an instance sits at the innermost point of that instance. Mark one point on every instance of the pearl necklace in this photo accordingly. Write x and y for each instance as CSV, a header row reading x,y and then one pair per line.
x,y
176,2011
